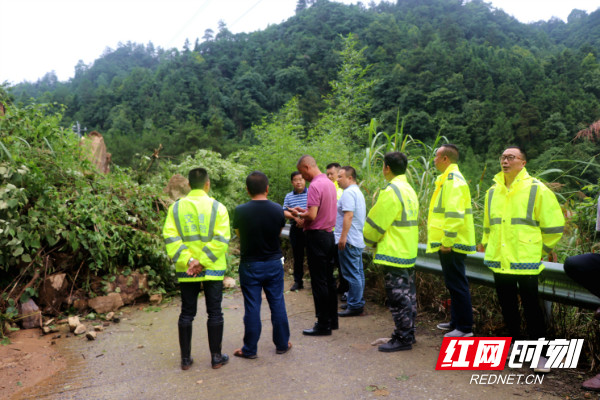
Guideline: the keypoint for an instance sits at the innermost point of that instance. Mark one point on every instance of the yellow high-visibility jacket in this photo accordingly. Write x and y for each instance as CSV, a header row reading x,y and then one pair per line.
x,y
450,219
338,190
520,225
197,226
392,225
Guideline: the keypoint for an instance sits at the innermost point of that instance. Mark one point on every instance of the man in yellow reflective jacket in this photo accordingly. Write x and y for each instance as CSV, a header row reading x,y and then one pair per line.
x,y
522,222
196,234
450,232
391,228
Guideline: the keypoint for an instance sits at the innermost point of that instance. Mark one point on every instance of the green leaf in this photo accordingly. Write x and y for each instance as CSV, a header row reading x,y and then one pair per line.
x,y
18,251
26,258
8,155
25,297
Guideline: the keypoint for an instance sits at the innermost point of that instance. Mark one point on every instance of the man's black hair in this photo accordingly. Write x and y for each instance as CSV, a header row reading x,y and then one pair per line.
x,y
396,161
520,149
332,165
350,171
257,183
197,178
293,175
451,151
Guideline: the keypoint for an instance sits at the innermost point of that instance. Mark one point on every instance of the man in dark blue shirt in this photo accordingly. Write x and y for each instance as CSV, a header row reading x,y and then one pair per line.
x,y
258,224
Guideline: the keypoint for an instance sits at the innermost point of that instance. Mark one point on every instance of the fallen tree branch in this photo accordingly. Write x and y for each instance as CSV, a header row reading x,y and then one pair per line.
x,y
36,276
22,273
75,280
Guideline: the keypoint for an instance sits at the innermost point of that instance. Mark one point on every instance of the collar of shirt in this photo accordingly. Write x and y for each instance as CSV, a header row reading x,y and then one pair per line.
x,y
197,193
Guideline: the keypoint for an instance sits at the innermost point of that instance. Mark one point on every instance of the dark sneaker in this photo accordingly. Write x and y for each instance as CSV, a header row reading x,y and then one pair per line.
x,y
218,360
351,312
317,330
395,345
296,286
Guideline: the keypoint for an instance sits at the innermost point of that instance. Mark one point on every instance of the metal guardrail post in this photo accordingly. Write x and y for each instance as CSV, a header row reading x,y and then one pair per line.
x,y
554,284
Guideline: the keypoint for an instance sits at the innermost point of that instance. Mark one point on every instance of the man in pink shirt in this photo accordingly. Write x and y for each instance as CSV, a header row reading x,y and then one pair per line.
x,y
319,220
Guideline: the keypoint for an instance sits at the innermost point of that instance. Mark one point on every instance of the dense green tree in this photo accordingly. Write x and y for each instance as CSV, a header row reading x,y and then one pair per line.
x,y
462,68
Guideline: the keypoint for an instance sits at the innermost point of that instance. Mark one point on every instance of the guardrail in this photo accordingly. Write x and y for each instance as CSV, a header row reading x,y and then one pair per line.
x,y
554,284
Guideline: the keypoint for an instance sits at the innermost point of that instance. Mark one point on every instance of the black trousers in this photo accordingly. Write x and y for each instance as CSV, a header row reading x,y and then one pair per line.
x,y
298,242
461,311
508,288
585,270
319,246
213,295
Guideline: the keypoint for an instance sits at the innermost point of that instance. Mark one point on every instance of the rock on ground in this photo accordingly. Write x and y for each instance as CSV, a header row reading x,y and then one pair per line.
x,y
73,322
31,315
104,304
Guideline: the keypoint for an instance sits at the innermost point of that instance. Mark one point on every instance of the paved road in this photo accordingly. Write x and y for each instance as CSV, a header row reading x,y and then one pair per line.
x,y
139,359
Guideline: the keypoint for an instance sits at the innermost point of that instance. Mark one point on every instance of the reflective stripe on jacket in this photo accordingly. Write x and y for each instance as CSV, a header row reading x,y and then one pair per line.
x,y
391,225
520,225
197,226
450,219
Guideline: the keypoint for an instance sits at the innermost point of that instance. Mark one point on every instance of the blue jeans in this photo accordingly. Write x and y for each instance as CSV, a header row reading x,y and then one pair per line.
x,y
351,265
254,277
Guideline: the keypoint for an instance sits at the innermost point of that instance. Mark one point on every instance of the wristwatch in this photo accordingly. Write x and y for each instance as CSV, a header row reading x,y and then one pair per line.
x,y
190,260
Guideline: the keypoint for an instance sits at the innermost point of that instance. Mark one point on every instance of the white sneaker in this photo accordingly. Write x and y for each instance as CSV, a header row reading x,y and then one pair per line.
x,y
445,326
457,333
543,366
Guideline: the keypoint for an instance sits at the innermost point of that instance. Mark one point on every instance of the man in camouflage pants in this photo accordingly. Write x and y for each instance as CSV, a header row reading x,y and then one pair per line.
x,y
402,297
391,228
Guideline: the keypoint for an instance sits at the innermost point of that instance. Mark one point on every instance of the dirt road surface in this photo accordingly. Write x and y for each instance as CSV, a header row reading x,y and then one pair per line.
x,y
139,359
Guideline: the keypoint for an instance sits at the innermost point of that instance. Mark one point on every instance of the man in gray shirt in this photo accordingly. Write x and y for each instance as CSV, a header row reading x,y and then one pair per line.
x,y
351,215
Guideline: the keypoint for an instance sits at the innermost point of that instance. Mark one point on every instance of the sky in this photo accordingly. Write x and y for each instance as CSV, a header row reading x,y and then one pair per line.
x,y
39,36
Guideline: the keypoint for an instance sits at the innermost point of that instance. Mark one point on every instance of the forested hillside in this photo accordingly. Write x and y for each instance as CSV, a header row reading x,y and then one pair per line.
x,y
466,71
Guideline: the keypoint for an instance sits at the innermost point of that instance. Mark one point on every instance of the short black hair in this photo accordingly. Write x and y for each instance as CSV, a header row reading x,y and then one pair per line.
x,y
257,183
332,165
396,161
197,178
293,175
451,151
520,149
350,171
